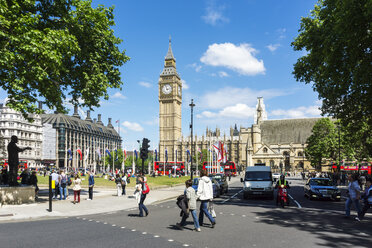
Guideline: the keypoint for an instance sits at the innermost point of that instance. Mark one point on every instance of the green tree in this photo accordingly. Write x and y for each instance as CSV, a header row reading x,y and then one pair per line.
x,y
50,49
338,62
322,143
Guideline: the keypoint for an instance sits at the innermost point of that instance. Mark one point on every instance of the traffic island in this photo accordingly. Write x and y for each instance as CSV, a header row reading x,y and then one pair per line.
x,y
17,195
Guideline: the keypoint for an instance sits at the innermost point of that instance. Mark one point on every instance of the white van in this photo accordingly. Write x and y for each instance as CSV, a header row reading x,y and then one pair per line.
x,y
258,182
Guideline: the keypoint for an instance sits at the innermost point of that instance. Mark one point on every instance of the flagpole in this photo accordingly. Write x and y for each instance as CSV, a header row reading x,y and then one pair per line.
x,y
197,160
164,161
122,166
133,167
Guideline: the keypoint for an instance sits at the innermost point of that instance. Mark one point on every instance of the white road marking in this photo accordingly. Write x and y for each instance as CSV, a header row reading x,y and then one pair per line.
x,y
232,196
122,227
185,245
113,225
97,221
170,240
133,230
84,218
156,236
221,213
298,204
144,233
90,220
105,223
244,215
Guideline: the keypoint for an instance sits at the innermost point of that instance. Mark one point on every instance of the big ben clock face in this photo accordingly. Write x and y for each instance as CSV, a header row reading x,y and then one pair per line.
x,y
166,89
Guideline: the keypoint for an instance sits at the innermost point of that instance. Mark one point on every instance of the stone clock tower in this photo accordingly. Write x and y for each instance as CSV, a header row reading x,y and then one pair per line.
x,y
170,102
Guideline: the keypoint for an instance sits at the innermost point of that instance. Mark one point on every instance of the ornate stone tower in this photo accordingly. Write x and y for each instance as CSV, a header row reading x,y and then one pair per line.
x,y
170,102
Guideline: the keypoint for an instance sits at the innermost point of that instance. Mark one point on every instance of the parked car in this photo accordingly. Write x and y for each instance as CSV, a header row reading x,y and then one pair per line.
x,y
321,188
215,185
221,179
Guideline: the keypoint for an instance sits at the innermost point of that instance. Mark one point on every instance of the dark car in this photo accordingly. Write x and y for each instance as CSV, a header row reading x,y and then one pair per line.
x,y
215,185
221,179
321,188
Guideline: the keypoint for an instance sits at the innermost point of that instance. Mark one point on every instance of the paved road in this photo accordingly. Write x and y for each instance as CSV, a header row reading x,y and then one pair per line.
x,y
240,223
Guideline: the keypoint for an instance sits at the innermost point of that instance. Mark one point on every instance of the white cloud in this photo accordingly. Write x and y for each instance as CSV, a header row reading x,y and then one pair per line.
x,y
238,111
281,32
223,74
273,47
196,67
185,86
153,122
118,95
239,58
133,126
145,84
230,96
299,112
214,15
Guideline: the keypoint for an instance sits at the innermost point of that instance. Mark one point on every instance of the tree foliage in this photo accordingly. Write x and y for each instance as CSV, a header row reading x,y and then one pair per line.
x,y
57,49
338,40
322,143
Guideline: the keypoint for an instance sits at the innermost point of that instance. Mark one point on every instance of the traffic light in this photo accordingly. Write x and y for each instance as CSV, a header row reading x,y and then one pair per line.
x,y
145,149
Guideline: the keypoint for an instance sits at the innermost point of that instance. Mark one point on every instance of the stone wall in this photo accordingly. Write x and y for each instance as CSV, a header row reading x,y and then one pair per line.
x,y
17,195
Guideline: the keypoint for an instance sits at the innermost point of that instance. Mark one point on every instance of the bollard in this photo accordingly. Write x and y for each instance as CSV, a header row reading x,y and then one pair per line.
x,y
50,194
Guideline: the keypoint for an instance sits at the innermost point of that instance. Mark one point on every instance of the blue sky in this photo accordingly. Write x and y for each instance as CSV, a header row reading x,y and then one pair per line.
x,y
228,53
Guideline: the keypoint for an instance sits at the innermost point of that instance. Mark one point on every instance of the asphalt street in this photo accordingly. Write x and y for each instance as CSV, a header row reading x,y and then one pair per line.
x,y
240,223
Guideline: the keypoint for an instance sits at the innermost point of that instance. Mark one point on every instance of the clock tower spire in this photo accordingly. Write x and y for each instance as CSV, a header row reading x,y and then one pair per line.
x,y
170,103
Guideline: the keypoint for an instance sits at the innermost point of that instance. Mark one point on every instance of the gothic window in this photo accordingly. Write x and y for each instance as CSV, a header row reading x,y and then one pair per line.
x,y
265,150
259,162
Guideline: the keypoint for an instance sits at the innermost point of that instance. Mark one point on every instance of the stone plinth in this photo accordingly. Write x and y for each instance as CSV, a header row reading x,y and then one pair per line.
x,y
17,195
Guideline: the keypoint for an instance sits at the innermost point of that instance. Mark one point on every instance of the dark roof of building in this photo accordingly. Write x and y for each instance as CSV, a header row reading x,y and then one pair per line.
x,y
287,131
78,124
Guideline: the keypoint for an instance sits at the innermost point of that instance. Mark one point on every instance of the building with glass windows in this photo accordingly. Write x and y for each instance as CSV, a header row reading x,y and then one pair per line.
x,y
90,136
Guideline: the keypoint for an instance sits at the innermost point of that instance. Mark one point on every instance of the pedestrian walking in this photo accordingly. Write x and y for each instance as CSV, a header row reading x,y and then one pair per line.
x,y
353,196
144,190
118,184
123,184
230,176
62,185
91,185
77,188
205,194
367,197
191,203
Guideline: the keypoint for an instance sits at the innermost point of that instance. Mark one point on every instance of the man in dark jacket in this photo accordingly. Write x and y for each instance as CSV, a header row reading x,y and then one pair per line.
x,y
91,185
13,159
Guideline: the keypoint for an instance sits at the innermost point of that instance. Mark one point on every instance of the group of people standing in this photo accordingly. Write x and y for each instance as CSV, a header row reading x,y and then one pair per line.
x,y
62,180
121,182
205,195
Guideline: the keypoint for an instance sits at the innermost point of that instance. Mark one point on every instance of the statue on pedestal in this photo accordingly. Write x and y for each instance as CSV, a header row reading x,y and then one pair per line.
x,y
13,160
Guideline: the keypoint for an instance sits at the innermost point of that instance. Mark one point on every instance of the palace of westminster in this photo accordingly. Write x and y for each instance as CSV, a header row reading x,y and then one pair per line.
x,y
273,142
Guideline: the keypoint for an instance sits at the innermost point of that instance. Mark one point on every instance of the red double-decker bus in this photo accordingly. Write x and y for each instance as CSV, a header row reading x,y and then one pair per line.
x,y
23,164
159,166
226,167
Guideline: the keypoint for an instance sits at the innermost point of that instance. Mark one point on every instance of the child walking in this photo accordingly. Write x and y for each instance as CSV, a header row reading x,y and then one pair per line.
x,y
191,199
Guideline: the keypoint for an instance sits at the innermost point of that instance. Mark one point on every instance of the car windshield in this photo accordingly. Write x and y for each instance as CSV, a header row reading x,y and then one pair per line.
x,y
258,176
320,182
216,177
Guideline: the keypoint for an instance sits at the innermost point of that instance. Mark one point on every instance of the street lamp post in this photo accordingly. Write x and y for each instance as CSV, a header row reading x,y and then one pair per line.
x,y
303,158
139,150
192,105
339,150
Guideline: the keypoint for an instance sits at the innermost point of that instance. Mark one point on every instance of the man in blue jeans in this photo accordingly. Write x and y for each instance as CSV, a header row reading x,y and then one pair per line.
x,y
144,192
354,196
62,185
205,194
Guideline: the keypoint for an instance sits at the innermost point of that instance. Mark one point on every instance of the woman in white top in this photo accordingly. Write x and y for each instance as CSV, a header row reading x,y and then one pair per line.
x,y
205,194
77,188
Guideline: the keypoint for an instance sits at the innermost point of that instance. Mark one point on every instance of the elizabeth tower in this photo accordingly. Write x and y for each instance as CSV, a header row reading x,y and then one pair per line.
x,y
170,103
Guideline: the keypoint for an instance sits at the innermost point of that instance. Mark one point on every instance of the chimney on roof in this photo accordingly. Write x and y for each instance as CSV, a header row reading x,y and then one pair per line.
x,y
99,120
88,116
76,114
109,123
94,120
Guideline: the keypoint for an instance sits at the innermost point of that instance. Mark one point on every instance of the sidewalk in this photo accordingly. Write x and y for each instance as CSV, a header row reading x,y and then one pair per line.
x,y
104,200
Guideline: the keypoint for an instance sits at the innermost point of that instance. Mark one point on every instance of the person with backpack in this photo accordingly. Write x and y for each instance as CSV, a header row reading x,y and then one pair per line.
x,y
191,203
123,184
144,190
62,185
118,184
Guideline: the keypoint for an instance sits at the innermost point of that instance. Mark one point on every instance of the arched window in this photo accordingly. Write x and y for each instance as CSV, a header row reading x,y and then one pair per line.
x,y
259,161
265,150
299,154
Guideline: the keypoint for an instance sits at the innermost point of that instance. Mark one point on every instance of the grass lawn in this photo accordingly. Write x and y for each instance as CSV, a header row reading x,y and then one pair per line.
x,y
101,182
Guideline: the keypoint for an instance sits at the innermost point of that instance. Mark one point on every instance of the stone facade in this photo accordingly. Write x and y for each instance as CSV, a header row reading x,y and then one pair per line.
x,y
28,133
